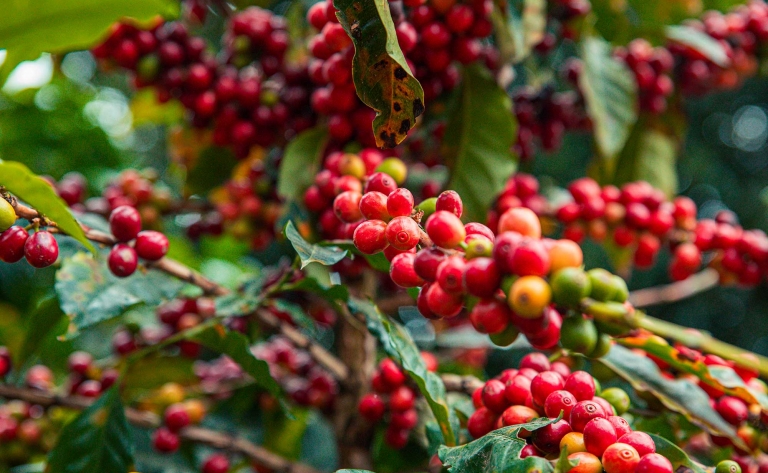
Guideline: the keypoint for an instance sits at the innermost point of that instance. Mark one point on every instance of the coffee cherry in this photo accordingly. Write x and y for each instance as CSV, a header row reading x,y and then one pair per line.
x,y
7,215
518,390
346,206
732,409
535,361
583,412
401,399
620,458
599,434
565,254
427,261
392,375
640,441
727,466
79,362
581,384
396,438
176,417
570,286
12,243
559,401
490,316
518,414
402,271
450,274
587,463
618,398
481,277
529,296
493,396
165,441
394,167
216,463
380,182
619,423
547,439
400,203
125,223
41,249
445,229
654,463
529,258
373,206
578,334
122,260
482,421
544,384
521,220
574,442
371,407
450,201
403,233
442,303
370,237
151,245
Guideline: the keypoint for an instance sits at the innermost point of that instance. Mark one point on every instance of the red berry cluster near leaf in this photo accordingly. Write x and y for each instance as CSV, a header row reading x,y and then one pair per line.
x,y
149,245
86,378
40,249
27,425
394,398
652,68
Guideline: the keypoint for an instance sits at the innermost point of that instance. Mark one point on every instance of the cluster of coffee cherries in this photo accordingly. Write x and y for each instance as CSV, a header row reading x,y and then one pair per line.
x,y
256,35
85,378
521,190
139,189
337,192
39,249
176,417
589,428
394,398
27,431
652,68
149,245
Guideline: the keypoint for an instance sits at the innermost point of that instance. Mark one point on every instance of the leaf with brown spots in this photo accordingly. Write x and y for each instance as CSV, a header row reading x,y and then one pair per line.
x,y
382,77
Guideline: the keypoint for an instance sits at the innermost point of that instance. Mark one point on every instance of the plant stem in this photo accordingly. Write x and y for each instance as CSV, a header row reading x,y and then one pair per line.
x,y
676,291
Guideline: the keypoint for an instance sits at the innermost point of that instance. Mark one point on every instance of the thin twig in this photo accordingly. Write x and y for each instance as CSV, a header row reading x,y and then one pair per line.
x,y
149,420
700,282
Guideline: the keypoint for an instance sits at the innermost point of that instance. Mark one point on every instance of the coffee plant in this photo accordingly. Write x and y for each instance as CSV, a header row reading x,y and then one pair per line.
x,y
383,236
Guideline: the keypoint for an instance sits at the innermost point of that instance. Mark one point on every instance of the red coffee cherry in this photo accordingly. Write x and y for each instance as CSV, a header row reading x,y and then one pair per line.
x,y
402,272
79,362
346,206
536,360
559,401
481,422
373,206
450,274
401,399
607,407
125,223
599,434
620,458
547,439
380,182
427,261
732,409
640,441
450,201
493,396
583,412
544,384
396,438
400,203
122,260
516,415
445,229
654,463
442,303
151,245
581,384
165,441
518,391
89,388
529,258
216,463
490,316
41,249
391,374
12,244
371,407
405,420
176,417
481,277
403,233
370,237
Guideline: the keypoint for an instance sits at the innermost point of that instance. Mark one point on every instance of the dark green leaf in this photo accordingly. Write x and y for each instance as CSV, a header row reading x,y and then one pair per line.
x,y
39,324
382,77
300,163
610,94
497,451
33,27
520,28
399,345
477,142
235,346
213,166
97,440
309,253
699,42
676,394
90,294
674,454
649,155
35,191
331,292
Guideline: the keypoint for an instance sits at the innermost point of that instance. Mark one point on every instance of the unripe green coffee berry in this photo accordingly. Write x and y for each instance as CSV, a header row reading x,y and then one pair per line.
x,y
428,207
728,466
395,168
602,347
603,286
570,286
618,398
622,291
578,334
506,337
7,215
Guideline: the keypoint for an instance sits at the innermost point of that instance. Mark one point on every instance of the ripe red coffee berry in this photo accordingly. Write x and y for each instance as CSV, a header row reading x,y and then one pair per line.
x,y
12,244
41,249
518,390
370,237
620,458
400,203
544,384
732,409
396,438
427,261
640,441
559,401
151,245
537,361
405,420
380,182
547,439
442,303
621,425
581,384
515,415
490,316
165,441
122,260
450,201
481,422
125,223
599,434
654,463
373,206
371,407
450,274
401,399
481,277
346,206
216,463
583,412
402,272
79,362
529,258
176,417
403,233
445,229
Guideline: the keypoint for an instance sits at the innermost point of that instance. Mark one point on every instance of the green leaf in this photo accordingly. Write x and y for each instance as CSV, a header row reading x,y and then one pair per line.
x,y
309,253
97,440
381,74
214,165
300,163
38,326
563,464
90,294
649,155
520,28
235,346
31,27
674,454
676,394
497,451
699,42
399,345
477,142
154,371
35,191
610,94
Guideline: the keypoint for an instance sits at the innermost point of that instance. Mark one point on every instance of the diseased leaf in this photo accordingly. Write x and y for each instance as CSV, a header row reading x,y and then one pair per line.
x,y
399,345
497,451
698,41
35,191
31,27
676,394
309,253
90,294
381,74
97,440
478,140
675,455
300,163
520,28
610,94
